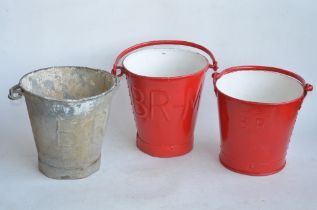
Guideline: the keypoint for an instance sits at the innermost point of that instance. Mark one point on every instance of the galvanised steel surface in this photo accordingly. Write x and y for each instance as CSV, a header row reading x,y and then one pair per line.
x,y
68,109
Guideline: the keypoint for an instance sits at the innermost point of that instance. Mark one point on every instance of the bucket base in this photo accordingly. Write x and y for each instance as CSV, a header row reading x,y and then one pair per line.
x,y
163,151
251,173
63,173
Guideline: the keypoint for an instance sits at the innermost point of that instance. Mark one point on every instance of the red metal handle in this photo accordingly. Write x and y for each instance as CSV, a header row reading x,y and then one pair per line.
x,y
307,87
214,64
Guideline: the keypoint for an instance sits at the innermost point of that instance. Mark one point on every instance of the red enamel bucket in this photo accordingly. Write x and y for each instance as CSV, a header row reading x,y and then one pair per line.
x,y
164,85
257,108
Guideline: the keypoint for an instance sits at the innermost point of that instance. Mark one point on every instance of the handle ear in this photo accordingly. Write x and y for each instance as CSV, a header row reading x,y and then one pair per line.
x,y
15,92
308,87
214,64
215,76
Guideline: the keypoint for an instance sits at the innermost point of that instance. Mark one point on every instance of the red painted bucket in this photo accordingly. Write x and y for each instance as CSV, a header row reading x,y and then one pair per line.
x,y
257,108
164,86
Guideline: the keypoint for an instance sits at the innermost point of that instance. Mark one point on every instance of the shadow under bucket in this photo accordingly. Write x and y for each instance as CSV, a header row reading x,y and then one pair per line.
x,y
164,86
68,109
257,107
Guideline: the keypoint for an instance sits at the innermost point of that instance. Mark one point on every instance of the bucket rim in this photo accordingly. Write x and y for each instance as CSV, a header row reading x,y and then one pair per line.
x,y
114,86
295,76
204,69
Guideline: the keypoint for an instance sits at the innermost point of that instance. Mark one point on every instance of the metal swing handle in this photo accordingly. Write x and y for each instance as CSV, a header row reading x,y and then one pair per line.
x,y
214,64
216,75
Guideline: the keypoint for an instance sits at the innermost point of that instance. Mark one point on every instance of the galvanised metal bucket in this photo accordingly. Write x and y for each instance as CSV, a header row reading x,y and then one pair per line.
x,y
165,86
68,109
258,106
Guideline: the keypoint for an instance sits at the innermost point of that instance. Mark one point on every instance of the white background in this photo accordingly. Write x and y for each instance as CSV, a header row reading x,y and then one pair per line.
x,y
38,33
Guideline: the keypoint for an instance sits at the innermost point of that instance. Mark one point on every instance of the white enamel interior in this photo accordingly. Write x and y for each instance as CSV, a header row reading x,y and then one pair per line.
x,y
260,86
164,62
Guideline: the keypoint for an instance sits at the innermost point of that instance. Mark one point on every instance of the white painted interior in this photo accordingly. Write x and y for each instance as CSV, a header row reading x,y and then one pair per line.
x,y
164,62
260,86
37,34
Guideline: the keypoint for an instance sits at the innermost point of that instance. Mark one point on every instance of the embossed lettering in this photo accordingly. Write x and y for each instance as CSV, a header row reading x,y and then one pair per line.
x,y
69,130
158,100
154,103
139,107
189,103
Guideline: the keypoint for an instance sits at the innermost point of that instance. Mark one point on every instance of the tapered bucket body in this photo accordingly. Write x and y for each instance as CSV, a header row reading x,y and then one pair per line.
x,y
164,86
68,109
257,108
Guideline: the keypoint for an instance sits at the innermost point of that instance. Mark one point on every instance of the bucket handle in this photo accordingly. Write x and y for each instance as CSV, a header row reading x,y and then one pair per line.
x,y
15,92
306,86
214,64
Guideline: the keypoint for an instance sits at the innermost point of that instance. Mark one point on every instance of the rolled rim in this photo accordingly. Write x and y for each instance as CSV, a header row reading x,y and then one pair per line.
x,y
115,84
283,72
204,67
